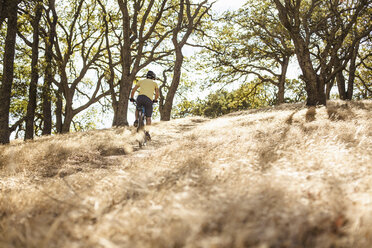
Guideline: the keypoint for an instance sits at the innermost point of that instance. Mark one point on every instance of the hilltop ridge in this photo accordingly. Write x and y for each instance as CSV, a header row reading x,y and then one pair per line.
x,y
284,176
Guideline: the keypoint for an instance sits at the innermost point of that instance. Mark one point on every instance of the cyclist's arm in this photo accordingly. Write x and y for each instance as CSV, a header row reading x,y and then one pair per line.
x,y
134,91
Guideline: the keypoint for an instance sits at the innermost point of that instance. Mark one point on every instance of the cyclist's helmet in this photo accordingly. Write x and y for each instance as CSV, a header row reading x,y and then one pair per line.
x,y
150,75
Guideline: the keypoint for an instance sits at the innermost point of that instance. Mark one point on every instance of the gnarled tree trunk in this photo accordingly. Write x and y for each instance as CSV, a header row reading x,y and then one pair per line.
x,y
11,8
46,93
31,107
282,78
166,110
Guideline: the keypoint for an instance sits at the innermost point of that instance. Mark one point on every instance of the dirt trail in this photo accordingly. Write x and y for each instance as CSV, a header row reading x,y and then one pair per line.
x,y
165,133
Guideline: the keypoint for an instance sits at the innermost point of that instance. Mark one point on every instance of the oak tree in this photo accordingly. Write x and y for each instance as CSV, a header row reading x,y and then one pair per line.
x,y
319,30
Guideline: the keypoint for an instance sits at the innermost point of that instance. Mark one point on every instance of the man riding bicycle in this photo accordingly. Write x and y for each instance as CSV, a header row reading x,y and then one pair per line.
x,y
147,89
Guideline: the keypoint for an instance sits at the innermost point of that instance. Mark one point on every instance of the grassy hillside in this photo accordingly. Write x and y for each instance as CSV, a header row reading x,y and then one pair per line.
x,y
279,177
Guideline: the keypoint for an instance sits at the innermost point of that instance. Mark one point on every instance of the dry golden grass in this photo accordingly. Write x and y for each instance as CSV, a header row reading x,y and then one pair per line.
x,y
288,176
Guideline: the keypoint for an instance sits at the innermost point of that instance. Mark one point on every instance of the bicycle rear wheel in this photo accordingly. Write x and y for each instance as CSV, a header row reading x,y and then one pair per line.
x,y
141,124
141,129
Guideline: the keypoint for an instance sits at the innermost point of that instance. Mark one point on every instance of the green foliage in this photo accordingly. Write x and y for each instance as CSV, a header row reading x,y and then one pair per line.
x,y
186,108
19,100
86,120
248,96
295,91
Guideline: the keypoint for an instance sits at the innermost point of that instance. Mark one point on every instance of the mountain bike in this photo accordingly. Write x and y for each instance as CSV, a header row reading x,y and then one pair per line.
x,y
141,125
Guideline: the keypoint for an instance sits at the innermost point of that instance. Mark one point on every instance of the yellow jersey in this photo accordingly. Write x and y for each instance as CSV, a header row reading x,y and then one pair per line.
x,y
147,87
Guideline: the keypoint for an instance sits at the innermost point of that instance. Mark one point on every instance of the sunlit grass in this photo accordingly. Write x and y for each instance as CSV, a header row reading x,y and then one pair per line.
x,y
288,176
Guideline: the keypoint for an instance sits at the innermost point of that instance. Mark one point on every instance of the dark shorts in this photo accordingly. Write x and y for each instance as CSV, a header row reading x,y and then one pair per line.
x,y
143,100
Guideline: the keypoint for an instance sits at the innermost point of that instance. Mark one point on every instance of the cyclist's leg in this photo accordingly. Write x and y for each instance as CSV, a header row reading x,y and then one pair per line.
x,y
136,120
136,114
148,121
140,103
147,103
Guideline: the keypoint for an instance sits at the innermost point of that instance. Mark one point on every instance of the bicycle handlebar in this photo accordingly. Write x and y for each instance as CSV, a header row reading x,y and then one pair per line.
x,y
135,102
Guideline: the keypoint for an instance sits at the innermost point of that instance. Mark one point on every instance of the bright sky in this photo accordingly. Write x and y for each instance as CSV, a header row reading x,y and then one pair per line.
x,y
222,5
